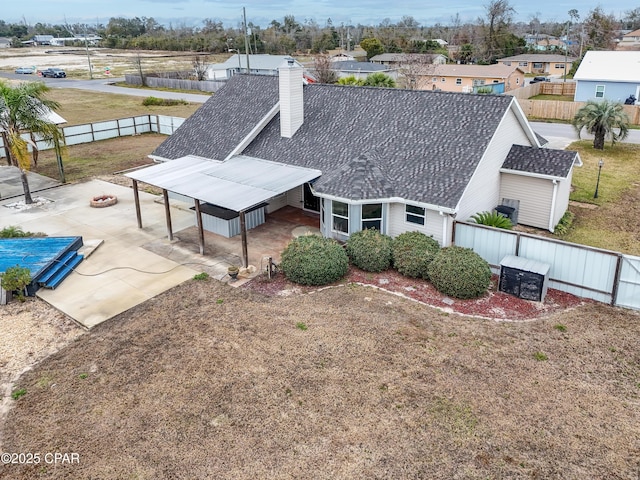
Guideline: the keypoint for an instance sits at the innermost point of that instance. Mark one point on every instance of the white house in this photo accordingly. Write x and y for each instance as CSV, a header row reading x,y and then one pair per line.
x,y
359,157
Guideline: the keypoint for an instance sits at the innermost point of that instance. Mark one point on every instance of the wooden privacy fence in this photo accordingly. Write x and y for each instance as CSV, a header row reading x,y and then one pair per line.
x,y
559,110
123,127
176,83
602,275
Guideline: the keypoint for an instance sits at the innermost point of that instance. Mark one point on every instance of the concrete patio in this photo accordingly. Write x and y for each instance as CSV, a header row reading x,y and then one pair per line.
x,y
124,265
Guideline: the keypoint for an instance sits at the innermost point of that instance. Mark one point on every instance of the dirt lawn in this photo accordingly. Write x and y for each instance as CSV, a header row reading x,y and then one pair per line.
x,y
207,381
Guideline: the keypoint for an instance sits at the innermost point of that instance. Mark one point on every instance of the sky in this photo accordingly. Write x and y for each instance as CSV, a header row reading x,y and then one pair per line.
x,y
260,12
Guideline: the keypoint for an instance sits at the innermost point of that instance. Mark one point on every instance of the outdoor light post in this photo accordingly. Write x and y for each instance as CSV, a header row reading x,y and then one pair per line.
x,y
600,164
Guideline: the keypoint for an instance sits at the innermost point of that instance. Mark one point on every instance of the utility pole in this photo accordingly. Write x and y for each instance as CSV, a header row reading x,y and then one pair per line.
x,y
246,39
86,45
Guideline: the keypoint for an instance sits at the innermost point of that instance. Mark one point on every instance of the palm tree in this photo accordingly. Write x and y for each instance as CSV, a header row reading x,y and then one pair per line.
x,y
23,109
379,80
602,119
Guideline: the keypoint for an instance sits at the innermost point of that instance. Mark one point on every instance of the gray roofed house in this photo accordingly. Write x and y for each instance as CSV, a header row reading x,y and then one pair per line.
x,y
360,70
416,160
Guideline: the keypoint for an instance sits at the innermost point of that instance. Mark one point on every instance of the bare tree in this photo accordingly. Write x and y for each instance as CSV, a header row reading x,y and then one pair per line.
x,y
499,16
200,65
323,69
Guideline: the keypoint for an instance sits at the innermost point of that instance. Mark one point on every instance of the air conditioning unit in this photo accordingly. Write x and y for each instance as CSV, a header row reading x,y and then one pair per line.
x,y
524,278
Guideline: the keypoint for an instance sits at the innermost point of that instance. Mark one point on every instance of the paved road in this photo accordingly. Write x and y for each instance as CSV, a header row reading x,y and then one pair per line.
x,y
106,86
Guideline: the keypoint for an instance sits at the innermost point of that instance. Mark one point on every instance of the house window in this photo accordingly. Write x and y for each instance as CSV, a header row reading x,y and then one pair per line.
x,y
415,214
340,217
443,79
477,82
496,81
599,91
458,81
434,79
559,65
523,64
372,216
537,65
517,81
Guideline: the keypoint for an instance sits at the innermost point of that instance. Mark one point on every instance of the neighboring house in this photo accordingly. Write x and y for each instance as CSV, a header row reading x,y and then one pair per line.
x,y
358,54
401,59
610,75
361,70
260,64
392,159
5,42
630,40
43,40
552,64
470,78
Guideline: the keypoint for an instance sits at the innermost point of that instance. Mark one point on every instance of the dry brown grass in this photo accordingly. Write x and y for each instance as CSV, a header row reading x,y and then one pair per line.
x,y
101,158
79,106
207,381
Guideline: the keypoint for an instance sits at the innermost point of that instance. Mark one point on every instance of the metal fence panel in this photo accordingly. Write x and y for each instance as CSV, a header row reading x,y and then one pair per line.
x,y
577,269
168,125
77,129
77,139
105,134
490,243
629,283
580,268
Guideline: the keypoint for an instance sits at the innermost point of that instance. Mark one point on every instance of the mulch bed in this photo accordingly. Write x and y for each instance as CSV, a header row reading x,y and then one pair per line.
x,y
494,305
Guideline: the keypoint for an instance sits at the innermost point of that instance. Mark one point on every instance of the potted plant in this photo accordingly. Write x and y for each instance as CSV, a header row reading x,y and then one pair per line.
x,y
233,272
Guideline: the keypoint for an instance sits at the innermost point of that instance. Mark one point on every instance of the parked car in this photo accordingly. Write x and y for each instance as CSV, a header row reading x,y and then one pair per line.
x,y
539,79
54,73
25,70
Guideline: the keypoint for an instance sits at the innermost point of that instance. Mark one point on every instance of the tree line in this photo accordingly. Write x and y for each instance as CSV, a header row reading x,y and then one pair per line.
x,y
491,36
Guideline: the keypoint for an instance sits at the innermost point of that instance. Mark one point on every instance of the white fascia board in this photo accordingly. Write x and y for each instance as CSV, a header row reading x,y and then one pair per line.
x,y
534,175
522,118
428,206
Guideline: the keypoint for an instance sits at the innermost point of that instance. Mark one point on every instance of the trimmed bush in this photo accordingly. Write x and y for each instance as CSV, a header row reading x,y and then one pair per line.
x,y
413,252
314,260
460,273
370,250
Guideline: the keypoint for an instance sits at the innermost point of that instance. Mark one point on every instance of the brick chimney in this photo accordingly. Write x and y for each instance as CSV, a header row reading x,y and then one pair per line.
x,y
291,101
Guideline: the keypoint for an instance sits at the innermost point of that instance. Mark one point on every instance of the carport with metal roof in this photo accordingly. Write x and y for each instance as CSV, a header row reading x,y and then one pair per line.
x,y
237,184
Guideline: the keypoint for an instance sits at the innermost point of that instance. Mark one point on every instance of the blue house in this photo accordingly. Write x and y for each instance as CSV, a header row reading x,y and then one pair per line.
x,y
608,75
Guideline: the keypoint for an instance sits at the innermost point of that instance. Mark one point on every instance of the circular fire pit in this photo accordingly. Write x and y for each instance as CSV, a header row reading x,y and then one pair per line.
x,y
102,201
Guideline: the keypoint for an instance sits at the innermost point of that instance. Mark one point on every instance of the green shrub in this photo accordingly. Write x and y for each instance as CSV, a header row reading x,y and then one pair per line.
x,y
314,260
492,219
163,102
15,279
564,224
16,232
413,252
460,273
370,250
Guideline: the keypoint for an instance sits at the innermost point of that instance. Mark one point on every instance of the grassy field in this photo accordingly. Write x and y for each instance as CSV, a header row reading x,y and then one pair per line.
x,y
79,106
208,381
614,223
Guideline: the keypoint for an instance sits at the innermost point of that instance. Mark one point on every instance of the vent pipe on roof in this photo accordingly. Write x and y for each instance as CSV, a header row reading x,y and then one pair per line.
x,y
291,97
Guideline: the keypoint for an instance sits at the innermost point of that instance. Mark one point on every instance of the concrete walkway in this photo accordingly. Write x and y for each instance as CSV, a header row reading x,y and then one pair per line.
x,y
120,273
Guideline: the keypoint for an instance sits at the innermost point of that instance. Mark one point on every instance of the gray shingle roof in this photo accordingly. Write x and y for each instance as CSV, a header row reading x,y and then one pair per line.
x,y
352,66
217,127
542,161
426,145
